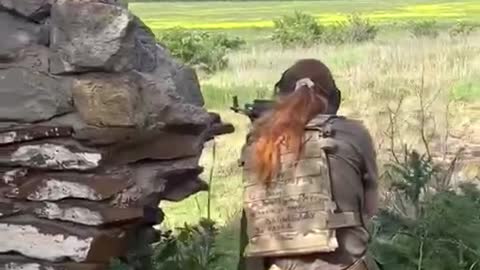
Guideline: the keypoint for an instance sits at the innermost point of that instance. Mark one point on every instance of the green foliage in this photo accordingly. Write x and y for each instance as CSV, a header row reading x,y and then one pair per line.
x,y
355,29
442,234
193,248
427,28
412,176
462,29
200,49
301,29
466,91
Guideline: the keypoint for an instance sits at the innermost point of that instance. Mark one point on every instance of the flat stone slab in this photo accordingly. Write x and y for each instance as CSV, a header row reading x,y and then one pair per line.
x,y
59,186
17,135
92,214
55,241
50,155
15,262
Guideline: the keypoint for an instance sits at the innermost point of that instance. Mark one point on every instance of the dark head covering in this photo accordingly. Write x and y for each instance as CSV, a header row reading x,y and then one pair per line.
x,y
319,73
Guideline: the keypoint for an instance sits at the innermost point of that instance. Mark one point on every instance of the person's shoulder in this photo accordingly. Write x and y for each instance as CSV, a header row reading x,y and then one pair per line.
x,y
351,127
337,121
350,122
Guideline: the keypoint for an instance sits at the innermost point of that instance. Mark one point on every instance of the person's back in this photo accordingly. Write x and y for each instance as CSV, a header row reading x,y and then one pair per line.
x,y
353,167
351,162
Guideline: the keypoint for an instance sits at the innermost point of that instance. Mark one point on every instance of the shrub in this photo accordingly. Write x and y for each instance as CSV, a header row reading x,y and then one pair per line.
x,y
462,29
424,29
303,30
360,29
299,29
354,30
442,230
192,248
200,49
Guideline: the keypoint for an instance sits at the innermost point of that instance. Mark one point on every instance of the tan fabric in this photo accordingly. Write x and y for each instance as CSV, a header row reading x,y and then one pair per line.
x,y
354,186
294,213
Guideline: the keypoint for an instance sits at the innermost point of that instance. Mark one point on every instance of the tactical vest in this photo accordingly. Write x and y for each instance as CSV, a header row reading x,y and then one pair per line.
x,y
296,213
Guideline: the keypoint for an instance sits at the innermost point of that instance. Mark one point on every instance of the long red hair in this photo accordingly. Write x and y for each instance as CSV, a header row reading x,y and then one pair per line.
x,y
285,123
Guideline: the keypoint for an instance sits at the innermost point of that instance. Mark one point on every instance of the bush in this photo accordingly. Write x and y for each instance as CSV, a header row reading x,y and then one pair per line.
x,y
429,225
193,248
200,49
356,29
299,29
424,29
303,30
462,29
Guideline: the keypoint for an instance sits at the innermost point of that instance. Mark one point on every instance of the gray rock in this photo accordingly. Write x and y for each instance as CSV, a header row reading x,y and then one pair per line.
x,y
96,36
8,209
58,186
12,177
106,100
51,156
187,85
16,262
154,146
29,96
179,191
87,213
30,133
163,103
96,136
145,47
16,34
56,242
73,120
184,78
35,10
32,57
152,178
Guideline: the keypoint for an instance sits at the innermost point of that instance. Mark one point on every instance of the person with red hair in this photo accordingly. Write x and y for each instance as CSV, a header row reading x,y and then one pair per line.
x,y
310,180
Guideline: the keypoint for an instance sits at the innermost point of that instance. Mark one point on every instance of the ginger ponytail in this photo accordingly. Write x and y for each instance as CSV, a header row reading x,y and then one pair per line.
x,y
285,124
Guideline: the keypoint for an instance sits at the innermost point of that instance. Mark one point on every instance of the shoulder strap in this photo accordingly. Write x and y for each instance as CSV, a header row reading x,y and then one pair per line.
x,y
322,119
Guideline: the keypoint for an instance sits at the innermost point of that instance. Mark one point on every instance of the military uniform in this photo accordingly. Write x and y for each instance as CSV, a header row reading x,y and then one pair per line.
x,y
353,170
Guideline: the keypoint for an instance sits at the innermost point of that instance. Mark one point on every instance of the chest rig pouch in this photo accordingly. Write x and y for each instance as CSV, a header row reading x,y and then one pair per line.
x,y
296,213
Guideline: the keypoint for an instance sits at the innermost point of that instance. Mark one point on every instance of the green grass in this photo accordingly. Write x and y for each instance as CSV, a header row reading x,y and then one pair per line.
x,y
249,15
467,91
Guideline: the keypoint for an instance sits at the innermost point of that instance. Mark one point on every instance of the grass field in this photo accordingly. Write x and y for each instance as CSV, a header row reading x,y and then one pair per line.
x,y
373,76
248,15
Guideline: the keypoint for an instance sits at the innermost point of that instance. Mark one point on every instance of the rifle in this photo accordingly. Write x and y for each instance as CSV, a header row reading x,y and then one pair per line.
x,y
252,110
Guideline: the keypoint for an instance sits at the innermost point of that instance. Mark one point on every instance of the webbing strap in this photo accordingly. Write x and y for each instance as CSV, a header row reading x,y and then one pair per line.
x,y
344,219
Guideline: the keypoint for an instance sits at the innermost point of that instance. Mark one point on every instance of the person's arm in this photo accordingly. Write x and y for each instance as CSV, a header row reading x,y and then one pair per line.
x,y
370,177
243,241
